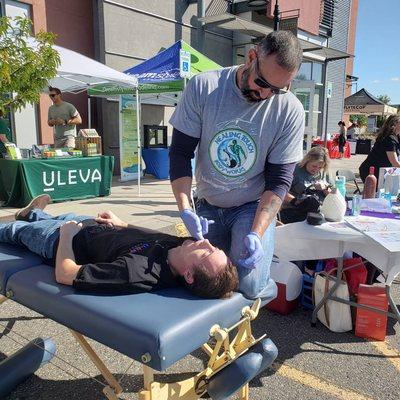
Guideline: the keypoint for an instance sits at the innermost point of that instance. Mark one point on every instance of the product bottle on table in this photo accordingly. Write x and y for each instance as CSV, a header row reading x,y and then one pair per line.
x,y
370,184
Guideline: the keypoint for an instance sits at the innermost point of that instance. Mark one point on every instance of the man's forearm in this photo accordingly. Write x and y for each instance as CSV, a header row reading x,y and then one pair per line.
x,y
66,267
74,120
181,188
269,206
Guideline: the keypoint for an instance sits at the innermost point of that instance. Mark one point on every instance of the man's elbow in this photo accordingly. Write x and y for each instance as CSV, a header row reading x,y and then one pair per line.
x,y
65,273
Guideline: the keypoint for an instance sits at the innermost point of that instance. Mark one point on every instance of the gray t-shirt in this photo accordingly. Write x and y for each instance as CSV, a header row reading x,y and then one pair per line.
x,y
64,111
237,137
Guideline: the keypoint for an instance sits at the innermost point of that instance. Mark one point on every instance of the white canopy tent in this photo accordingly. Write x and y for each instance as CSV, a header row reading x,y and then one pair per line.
x,y
78,73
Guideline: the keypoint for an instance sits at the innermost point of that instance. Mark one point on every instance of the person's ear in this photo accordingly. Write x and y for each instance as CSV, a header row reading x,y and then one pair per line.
x,y
188,276
251,55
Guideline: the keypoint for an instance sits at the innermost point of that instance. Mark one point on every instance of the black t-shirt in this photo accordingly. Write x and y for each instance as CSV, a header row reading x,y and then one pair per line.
x,y
377,157
122,260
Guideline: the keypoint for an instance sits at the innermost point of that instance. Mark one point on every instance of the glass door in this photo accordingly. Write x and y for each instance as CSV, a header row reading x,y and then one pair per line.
x,y
304,91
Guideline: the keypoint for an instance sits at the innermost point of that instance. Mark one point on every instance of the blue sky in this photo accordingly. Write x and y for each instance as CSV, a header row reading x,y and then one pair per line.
x,y
377,52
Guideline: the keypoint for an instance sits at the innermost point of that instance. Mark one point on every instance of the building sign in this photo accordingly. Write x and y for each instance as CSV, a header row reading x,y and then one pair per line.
x,y
329,89
184,64
289,24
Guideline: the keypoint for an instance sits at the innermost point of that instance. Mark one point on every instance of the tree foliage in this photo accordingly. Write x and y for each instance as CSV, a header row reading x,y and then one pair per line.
x,y
384,98
26,63
361,119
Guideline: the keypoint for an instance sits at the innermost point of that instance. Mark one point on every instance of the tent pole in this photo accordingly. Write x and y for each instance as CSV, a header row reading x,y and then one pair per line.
x,y
138,124
89,113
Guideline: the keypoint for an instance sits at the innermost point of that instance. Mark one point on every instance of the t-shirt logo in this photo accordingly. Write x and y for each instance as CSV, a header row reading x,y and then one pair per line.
x,y
232,152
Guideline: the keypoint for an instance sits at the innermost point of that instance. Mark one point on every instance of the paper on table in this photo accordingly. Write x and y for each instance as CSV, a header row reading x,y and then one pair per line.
x,y
384,231
376,205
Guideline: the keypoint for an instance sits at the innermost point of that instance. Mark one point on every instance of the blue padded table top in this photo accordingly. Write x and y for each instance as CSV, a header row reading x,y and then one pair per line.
x,y
168,324
14,259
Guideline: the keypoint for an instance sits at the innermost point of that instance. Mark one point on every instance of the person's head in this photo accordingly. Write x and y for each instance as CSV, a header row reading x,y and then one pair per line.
x,y
316,160
206,270
341,123
271,66
390,127
55,94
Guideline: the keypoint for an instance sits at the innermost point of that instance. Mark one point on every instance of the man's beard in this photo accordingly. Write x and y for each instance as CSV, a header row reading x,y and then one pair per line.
x,y
252,96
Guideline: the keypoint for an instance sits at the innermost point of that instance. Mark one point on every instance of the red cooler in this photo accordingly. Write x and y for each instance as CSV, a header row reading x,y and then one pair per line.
x,y
370,324
288,278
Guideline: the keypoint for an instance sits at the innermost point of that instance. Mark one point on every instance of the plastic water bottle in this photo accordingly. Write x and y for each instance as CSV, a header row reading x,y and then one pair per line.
x,y
340,183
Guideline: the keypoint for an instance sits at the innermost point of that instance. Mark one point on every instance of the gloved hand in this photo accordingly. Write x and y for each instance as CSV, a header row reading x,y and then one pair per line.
x,y
197,226
253,244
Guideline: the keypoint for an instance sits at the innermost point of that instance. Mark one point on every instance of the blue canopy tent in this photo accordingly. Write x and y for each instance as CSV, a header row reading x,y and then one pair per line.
x,y
159,77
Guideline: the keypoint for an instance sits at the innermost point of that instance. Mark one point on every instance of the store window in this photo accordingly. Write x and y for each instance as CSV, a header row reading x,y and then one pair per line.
x,y
239,55
311,73
305,71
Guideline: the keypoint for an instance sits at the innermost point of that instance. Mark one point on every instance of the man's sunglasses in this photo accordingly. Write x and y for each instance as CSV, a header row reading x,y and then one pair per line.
x,y
262,83
53,94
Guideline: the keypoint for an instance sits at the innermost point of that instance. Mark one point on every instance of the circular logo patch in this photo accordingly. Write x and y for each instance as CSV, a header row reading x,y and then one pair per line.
x,y
232,152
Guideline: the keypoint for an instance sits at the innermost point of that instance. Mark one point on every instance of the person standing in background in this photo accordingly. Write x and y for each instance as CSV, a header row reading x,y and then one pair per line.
x,y
5,126
386,150
63,117
342,138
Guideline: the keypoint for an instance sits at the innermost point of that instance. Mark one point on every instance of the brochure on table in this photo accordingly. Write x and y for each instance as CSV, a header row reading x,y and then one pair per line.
x,y
382,230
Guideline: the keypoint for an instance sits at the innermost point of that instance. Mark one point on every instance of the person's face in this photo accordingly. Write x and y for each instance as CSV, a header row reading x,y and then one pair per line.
x,y
313,167
202,252
54,96
262,77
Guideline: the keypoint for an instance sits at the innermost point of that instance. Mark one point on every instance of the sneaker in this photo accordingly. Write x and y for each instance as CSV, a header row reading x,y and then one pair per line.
x,y
40,201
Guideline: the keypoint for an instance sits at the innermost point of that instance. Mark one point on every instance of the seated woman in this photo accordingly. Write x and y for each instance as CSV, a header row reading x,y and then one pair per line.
x,y
106,255
386,150
309,186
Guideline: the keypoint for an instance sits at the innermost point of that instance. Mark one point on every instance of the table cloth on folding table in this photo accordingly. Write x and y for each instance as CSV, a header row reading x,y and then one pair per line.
x,y
333,148
301,241
62,178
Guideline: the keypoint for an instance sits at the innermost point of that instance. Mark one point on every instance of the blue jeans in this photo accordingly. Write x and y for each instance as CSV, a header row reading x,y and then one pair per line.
x,y
228,232
39,233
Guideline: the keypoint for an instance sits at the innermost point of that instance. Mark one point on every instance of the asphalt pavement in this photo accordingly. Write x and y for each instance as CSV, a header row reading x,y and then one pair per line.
x,y
313,363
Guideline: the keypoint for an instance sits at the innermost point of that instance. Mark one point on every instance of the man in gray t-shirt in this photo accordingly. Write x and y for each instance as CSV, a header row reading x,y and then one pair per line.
x,y
248,130
63,117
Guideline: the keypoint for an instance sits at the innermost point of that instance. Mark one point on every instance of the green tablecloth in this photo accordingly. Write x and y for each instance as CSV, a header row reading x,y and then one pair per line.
x,y
61,178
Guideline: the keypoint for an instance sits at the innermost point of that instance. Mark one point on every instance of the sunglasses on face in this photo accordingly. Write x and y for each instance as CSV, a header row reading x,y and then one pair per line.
x,y
262,83
53,94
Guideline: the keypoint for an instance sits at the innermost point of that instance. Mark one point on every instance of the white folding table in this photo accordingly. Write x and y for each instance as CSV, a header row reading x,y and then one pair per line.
x,y
301,241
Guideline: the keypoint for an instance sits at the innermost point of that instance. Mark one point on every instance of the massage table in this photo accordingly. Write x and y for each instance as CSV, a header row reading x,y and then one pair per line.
x,y
155,329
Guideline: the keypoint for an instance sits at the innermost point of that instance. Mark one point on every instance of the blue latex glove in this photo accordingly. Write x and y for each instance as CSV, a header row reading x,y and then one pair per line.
x,y
197,226
254,246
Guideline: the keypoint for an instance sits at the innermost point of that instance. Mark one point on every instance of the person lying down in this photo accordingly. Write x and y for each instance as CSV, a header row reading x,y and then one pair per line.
x,y
106,255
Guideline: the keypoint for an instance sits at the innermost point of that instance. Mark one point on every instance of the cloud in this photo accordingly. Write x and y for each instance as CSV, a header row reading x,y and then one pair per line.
x,y
396,78
376,81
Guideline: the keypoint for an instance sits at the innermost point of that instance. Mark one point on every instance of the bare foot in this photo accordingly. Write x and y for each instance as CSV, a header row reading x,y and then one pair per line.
x,y
40,201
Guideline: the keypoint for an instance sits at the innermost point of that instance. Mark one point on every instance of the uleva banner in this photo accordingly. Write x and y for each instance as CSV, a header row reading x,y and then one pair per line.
x,y
128,137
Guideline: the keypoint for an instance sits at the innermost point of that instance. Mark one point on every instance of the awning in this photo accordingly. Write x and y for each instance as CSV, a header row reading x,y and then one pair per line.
x,y
365,103
233,23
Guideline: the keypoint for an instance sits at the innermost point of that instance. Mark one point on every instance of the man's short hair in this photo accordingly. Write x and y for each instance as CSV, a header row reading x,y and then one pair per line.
x,y
54,89
214,286
285,46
